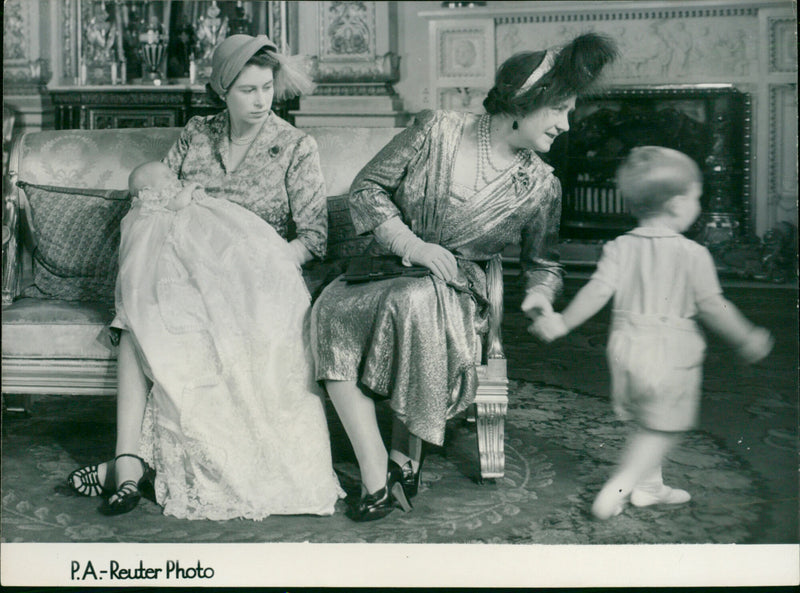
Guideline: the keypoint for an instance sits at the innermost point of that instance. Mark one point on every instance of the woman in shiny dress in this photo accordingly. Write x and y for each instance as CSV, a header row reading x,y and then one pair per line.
x,y
448,193
216,387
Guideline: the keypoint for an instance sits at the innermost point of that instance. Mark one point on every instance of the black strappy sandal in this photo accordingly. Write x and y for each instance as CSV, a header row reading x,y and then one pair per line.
x,y
88,480
128,493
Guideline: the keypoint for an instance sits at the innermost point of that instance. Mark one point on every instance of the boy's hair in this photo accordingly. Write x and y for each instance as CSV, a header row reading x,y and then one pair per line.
x,y
652,175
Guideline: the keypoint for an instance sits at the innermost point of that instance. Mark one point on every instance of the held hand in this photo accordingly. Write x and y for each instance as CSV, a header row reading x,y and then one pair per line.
x,y
437,259
758,346
548,327
536,304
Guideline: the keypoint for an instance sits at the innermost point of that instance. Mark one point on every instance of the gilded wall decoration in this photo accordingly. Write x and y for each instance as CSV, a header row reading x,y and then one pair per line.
x,y
15,38
347,30
655,50
24,71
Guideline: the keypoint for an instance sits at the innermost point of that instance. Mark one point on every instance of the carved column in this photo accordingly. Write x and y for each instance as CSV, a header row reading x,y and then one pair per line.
x,y
353,64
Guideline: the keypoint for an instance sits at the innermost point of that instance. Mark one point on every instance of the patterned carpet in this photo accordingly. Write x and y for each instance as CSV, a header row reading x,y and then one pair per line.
x,y
561,443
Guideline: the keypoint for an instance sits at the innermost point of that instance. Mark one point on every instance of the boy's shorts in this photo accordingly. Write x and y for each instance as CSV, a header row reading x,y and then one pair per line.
x,y
656,370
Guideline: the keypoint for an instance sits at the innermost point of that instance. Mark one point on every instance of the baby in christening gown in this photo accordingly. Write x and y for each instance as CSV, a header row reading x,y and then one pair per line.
x,y
217,307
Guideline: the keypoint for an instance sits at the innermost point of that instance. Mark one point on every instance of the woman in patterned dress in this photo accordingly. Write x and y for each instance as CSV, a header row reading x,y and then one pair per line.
x,y
449,193
216,391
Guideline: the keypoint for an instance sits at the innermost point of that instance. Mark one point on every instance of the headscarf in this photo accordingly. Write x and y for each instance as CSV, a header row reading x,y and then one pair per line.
x,y
231,55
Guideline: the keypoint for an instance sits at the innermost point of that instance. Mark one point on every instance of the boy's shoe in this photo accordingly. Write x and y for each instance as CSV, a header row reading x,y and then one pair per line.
x,y
609,503
641,497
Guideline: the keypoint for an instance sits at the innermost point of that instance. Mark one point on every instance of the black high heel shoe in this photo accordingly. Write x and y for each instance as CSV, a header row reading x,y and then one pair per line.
x,y
379,504
128,493
411,479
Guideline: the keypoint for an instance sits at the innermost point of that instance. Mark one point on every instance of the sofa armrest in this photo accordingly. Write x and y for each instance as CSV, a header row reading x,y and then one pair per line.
x,y
494,289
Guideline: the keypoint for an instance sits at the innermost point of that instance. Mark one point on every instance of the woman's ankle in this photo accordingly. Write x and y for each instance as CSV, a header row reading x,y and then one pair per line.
x,y
127,468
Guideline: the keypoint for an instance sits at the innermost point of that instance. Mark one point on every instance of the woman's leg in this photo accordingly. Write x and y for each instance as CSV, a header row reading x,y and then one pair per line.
x,y
644,453
132,387
356,410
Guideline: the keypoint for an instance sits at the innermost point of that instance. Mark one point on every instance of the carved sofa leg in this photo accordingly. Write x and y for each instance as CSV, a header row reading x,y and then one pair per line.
x,y
491,405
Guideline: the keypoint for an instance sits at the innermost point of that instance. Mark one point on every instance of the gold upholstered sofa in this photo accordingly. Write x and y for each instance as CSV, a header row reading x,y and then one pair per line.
x,y
63,200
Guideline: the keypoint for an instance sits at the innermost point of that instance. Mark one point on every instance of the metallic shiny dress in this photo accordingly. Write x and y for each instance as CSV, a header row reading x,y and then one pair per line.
x,y
412,340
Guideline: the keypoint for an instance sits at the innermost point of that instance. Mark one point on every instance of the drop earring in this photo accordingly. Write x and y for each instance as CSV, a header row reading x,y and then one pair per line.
x,y
515,125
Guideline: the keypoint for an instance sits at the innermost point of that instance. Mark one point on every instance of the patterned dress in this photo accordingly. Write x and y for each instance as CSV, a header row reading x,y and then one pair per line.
x,y
219,312
412,340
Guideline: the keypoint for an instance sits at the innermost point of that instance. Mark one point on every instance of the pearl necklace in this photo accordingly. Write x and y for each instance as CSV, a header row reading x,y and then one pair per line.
x,y
485,153
245,140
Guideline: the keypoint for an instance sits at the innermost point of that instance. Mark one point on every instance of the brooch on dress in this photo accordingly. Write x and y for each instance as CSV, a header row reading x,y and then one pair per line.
x,y
273,152
521,179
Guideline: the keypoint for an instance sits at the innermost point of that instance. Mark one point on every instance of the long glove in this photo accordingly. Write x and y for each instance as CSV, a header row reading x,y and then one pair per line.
x,y
395,236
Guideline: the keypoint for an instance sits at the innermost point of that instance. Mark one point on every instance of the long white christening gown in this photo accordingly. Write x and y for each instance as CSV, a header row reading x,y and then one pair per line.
x,y
234,423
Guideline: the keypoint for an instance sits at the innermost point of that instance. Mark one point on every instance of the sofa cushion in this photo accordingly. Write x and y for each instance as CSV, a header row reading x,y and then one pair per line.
x,y
75,234
49,328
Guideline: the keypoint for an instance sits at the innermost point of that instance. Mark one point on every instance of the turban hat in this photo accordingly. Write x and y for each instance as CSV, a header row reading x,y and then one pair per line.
x,y
231,55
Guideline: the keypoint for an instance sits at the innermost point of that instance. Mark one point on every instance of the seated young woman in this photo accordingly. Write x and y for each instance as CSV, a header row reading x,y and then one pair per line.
x,y
217,403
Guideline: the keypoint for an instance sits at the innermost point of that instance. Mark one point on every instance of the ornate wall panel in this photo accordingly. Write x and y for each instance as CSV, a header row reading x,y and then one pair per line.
x,y
20,33
655,47
783,151
463,64
347,30
782,45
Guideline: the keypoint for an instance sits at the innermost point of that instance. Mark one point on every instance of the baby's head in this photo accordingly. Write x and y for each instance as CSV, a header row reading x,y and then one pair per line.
x,y
153,175
652,176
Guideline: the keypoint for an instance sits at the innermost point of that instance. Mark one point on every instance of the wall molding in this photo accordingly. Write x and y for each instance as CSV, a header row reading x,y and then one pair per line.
x,y
628,15
782,103
776,28
585,10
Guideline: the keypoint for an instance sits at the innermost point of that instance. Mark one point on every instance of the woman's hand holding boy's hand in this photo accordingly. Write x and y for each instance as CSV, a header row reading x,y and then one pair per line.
x,y
437,259
758,345
536,304
548,327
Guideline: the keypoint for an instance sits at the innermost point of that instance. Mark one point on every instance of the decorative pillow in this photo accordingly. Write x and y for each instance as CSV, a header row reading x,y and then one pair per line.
x,y
75,234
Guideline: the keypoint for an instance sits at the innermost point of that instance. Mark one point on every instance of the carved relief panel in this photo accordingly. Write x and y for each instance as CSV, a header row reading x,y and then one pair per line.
x,y
463,64
698,46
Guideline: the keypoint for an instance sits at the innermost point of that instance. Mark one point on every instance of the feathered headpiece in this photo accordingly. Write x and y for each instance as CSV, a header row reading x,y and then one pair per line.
x,y
572,68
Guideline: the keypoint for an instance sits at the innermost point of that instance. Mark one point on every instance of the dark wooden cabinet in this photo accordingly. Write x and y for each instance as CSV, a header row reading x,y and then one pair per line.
x,y
102,107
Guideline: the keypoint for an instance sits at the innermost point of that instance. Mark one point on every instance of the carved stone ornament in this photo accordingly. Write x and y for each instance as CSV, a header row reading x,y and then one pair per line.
x,y
384,68
347,30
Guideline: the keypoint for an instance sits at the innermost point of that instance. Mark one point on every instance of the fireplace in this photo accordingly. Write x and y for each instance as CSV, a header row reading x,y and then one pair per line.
x,y
710,123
